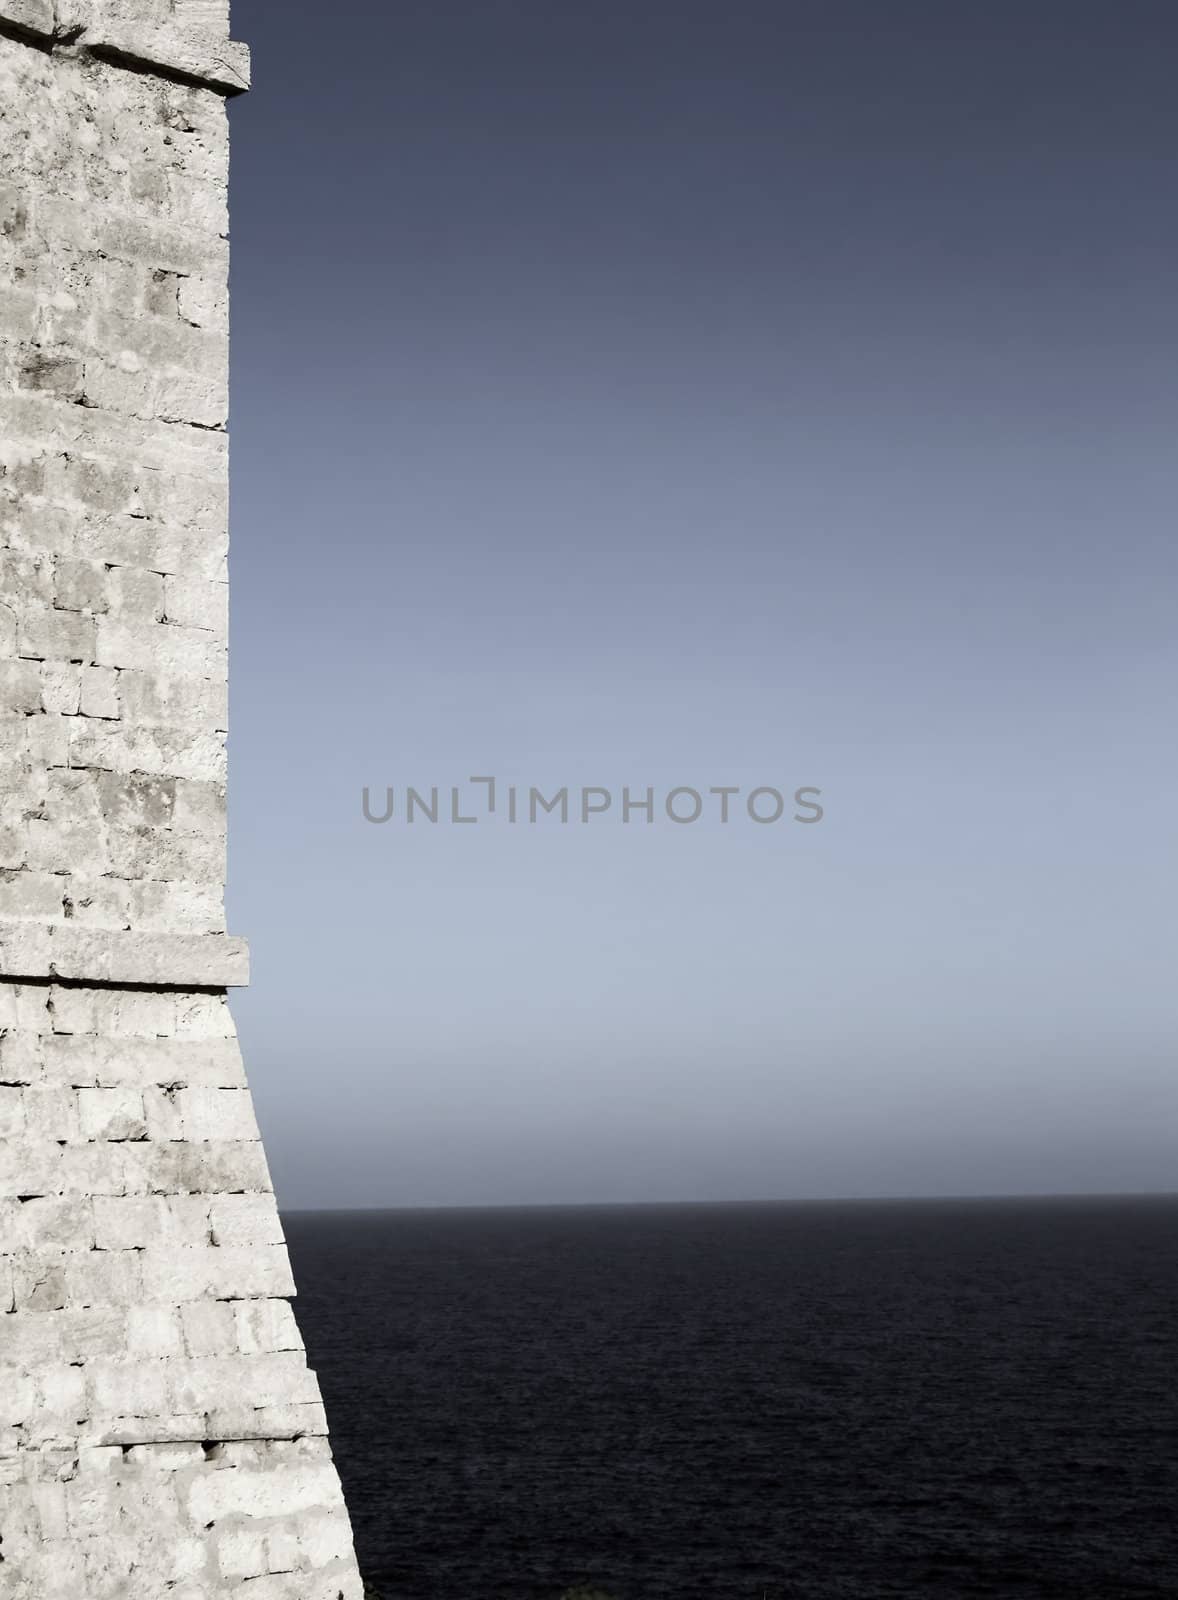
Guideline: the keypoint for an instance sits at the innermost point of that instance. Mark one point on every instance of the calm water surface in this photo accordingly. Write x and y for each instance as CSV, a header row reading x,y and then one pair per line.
x,y
769,1402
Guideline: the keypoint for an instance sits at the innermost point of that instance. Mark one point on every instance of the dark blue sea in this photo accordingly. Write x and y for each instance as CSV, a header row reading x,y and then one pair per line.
x,y
754,1402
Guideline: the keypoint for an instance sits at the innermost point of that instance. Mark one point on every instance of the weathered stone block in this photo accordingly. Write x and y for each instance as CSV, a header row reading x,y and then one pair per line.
x,y
98,694
81,585
115,1114
47,1224
61,689
105,1278
44,634
96,1333
128,1389
31,895
20,687
25,578
245,1219
263,1326
52,1114
173,1277
214,1114
197,603
154,1331
208,1329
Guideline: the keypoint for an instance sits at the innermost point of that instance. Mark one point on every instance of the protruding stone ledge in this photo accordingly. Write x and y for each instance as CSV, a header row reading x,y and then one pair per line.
x,y
186,54
111,31
40,951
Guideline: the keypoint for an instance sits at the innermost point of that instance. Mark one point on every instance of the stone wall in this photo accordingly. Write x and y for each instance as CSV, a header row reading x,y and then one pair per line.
x,y
160,1433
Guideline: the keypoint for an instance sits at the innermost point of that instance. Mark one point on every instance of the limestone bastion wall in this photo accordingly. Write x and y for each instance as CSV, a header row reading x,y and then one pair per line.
x,y
160,1432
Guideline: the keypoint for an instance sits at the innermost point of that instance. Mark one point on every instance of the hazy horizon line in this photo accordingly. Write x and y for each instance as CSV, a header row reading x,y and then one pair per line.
x,y
1045,1196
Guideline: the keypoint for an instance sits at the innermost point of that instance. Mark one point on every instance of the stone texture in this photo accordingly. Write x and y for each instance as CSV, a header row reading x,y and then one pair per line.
x,y
33,948
160,1432
184,40
159,1428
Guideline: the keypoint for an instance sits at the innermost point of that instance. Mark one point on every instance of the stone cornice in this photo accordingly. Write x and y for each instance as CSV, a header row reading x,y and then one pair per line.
x,y
44,950
109,30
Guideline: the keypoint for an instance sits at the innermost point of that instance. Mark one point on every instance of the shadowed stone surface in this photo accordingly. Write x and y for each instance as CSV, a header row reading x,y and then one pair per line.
x,y
160,1432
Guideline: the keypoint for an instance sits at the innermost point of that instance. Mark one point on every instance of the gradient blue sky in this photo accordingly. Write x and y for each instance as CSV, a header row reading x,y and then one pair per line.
x,y
710,393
